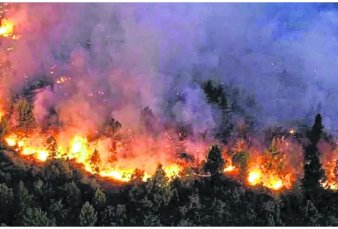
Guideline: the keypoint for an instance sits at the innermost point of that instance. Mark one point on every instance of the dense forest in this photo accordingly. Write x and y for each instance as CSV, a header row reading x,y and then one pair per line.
x,y
60,193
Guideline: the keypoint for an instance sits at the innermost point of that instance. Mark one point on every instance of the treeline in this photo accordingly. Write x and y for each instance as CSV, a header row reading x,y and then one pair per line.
x,y
59,193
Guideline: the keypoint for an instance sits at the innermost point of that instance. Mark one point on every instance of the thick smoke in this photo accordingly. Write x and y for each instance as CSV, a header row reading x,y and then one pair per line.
x,y
118,59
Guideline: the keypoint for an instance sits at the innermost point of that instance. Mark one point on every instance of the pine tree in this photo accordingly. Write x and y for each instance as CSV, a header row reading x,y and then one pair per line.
x,y
88,215
26,116
58,210
6,196
158,189
311,215
36,217
99,199
23,198
72,194
147,119
6,200
313,172
214,162
137,176
112,130
108,216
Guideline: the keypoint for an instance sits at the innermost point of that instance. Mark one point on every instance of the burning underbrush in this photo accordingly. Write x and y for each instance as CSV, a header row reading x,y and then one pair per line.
x,y
117,154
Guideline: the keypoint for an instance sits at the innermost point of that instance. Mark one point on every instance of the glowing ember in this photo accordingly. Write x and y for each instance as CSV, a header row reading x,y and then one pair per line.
x,y
42,155
6,29
11,141
118,174
274,183
229,169
172,171
62,79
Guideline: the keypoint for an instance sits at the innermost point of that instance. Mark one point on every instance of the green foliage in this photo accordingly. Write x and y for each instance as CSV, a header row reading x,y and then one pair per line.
x,y
88,215
99,199
23,197
58,210
6,197
6,202
72,194
114,216
158,189
36,217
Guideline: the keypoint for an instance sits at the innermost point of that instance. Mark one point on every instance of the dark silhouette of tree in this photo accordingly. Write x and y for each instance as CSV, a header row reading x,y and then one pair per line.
x,y
6,200
59,212
215,94
151,219
311,214
313,172
137,176
72,194
26,116
214,161
240,160
95,160
52,146
148,120
3,126
88,215
112,130
114,216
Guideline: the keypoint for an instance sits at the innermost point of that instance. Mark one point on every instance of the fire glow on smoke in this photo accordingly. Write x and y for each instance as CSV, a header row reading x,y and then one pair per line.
x,y
108,150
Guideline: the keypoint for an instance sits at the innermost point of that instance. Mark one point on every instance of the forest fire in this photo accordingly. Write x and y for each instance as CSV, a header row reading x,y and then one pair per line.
x,y
85,153
103,148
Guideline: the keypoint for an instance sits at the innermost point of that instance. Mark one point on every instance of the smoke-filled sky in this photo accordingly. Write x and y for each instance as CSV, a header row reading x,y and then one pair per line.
x,y
121,58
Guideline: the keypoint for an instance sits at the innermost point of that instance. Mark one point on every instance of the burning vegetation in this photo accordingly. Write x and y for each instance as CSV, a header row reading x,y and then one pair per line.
x,y
67,112
117,153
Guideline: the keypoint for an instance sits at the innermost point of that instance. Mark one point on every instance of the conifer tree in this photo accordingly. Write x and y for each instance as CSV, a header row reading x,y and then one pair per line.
x,y
313,172
214,162
88,215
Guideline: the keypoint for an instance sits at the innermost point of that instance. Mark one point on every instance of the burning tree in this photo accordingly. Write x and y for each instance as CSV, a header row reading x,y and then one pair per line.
x,y
112,130
26,117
